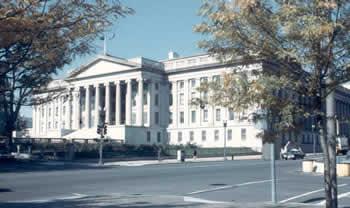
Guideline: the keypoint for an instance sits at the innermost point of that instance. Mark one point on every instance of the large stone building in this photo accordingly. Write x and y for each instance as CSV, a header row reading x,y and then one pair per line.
x,y
148,102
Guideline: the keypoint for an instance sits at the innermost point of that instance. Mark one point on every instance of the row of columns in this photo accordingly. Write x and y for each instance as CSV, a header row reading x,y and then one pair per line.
x,y
128,104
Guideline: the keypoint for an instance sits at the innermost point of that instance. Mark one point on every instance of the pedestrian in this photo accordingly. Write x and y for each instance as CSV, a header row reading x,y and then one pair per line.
x,y
159,151
195,154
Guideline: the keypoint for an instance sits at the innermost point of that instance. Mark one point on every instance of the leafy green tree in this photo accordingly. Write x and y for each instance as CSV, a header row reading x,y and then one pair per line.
x,y
303,44
38,38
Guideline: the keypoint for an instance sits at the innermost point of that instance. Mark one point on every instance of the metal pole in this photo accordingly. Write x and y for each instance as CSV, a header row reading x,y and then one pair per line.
x,y
273,174
225,124
100,162
104,44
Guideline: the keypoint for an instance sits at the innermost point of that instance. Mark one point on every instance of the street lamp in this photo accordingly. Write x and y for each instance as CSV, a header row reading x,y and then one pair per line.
x,y
225,125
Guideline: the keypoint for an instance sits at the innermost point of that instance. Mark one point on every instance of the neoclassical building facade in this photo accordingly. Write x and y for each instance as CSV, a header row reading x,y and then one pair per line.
x,y
145,101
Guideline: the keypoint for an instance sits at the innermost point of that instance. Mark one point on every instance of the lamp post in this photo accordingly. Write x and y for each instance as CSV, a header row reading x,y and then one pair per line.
x,y
225,125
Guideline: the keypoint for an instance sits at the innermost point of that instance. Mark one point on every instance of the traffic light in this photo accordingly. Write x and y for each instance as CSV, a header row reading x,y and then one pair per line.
x,y
105,129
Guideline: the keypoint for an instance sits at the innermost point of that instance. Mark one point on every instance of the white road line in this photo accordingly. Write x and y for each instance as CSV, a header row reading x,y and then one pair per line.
x,y
227,187
75,196
339,197
307,193
198,200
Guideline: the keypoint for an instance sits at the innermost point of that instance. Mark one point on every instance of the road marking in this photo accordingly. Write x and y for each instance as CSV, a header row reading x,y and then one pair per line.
x,y
228,187
307,193
204,201
75,196
339,197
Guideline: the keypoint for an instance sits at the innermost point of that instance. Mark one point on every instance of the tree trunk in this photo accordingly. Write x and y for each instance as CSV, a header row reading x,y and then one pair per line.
x,y
326,177
331,145
9,128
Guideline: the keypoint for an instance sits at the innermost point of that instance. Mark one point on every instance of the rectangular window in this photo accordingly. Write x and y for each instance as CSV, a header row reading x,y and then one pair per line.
x,y
216,78
148,136
218,114
170,117
205,96
158,137
56,125
179,136
204,135
49,112
42,112
145,100
191,136
243,134
216,135
64,110
204,79
193,83
205,115
229,134
170,86
156,117
171,99
181,100
156,100
193,116
231,114
156,86
49,126
181,84
182,117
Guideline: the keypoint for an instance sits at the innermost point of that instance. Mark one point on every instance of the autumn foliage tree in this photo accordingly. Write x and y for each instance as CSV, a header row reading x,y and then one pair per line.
x,y
38,38
308,41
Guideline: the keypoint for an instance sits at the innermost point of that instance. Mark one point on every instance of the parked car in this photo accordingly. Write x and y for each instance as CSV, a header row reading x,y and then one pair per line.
x,y
293,154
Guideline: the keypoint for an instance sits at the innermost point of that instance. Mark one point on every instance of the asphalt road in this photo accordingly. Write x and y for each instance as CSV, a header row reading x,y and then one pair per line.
x,y
241,182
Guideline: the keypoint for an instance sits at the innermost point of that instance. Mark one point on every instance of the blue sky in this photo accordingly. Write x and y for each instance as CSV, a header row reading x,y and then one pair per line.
x,y
157,27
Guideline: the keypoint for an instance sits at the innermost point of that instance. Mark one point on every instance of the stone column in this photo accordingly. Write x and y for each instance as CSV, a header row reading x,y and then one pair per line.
x,y
149,101
97,104
128,102
175,102
34,119
187,108
76,108
60,107
140,103
87,106
68,112
117,103
107,103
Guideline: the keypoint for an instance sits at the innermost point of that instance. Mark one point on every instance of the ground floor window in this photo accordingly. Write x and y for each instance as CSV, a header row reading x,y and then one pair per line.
x,y
216,135
243,134
179,136
148,136
204,135
158,137
229,134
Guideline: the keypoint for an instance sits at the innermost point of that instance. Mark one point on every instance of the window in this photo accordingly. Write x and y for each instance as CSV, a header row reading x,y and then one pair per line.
x,y
181,100
243,134
216,135
182,117
145,117
191,136
145,100
193,116
156,100
218,114
204,135
156,117
205,96
231,114
204,79
63,125
170,117
42,112
156,86
181,84
56,125
148,136
133,118
229,134
171,99
179,136
193,83
158,137
216,78
64,110
49,112
205,115
170,86
49,126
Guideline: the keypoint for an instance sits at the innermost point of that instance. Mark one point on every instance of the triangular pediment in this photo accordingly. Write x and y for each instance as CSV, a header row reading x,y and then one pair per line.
x,y
102,66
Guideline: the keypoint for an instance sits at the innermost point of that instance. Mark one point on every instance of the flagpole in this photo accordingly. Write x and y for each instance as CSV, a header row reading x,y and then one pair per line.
x,y
104,45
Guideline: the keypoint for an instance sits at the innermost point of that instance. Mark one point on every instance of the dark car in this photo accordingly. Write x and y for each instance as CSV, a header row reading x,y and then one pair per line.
x,y
293,154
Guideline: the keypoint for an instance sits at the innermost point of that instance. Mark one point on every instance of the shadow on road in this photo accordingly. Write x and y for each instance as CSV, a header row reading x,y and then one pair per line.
x,y
40,166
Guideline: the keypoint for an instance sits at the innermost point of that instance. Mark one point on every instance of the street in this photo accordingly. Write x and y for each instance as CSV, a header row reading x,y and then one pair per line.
x,y
246,181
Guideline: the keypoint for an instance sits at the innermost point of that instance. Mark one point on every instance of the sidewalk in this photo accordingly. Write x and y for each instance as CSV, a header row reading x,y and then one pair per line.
x,y
173,161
